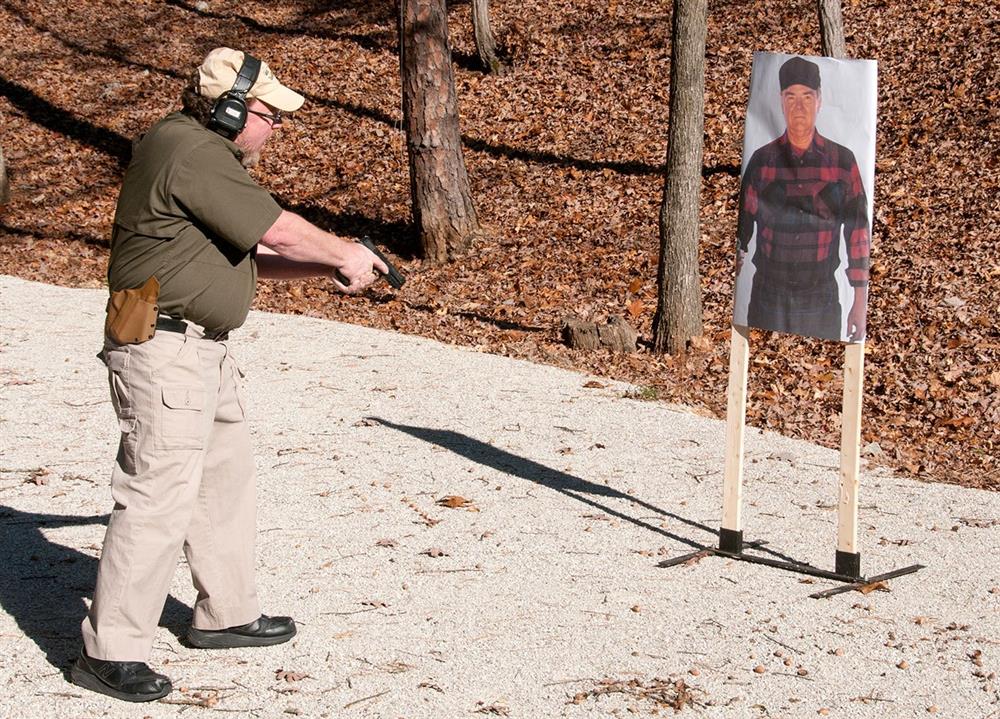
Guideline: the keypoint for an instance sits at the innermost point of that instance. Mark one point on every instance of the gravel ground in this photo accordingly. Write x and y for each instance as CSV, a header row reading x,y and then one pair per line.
x,y
541,597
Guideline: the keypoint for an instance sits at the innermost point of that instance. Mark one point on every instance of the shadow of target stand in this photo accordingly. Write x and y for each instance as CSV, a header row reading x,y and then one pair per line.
x,y
847,564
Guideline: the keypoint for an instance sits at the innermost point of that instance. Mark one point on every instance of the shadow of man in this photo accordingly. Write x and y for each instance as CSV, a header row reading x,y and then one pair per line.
x,y
575,487
43,584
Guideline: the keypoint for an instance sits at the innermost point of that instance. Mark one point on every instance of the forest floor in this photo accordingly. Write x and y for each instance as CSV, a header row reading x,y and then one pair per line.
x,y
565,154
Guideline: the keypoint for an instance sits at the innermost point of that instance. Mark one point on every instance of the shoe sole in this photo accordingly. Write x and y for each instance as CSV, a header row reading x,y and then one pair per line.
x,y
213,640
89,681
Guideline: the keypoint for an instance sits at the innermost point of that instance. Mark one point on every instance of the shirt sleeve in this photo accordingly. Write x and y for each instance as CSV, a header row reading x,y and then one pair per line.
x,y
214,187
748,204
856,231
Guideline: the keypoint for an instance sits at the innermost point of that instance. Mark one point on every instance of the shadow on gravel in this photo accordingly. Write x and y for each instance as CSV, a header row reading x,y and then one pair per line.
x,y
489,456
43,584
498,459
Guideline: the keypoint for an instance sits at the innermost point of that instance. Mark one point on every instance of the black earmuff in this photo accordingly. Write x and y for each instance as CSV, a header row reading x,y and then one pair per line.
x,y
229,113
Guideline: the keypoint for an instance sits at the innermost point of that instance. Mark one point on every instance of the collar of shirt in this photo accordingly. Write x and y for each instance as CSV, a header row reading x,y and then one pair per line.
x,y
816,147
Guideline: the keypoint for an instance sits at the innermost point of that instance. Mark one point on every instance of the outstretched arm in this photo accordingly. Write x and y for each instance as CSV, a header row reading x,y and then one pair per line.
x,y
272,266
294,247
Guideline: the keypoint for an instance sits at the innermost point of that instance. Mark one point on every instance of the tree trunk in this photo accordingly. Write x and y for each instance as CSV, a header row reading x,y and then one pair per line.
x,y
616,334
439,184
831,25
486,45
4,187
678,311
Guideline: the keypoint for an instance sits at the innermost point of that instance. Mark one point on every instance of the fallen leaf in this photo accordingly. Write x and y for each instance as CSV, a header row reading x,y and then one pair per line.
x,y
38,477
287,676
495,709
454,501
880,586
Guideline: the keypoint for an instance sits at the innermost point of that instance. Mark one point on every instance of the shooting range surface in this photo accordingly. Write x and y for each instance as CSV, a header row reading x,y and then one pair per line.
x,y
541,599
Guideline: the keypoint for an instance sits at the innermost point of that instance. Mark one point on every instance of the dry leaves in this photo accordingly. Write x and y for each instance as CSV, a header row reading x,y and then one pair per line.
x,y
494,709
880,586
454,501
424,517
38,477
283,675
673,694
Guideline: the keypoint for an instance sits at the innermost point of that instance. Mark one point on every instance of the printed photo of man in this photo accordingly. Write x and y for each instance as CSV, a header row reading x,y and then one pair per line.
x,y
802,199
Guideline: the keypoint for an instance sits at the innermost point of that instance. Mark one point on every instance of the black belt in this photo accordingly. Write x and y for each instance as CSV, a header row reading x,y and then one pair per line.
x,y
171,324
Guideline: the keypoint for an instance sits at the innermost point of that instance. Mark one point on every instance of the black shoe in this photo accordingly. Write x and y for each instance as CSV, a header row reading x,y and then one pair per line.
x,y
130,681
261,632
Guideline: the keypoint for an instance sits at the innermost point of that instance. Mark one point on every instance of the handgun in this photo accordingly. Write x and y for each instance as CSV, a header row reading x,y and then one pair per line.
x,y
393,277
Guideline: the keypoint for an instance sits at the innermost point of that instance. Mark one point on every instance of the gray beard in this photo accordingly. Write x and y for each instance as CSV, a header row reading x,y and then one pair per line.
x,y
251,155
250,159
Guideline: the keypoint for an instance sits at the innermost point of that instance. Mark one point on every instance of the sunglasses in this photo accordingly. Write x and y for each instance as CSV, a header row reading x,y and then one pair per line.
x,y
274,119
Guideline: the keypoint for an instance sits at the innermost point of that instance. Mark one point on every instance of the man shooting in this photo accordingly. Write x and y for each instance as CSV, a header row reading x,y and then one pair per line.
x,y
802,192
193,231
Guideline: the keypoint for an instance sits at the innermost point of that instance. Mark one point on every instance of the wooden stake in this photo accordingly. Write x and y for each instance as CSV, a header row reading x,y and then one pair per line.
x,y
732,484
850,448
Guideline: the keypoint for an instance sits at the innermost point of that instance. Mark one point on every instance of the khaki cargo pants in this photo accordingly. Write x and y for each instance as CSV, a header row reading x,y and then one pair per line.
x,y
184,476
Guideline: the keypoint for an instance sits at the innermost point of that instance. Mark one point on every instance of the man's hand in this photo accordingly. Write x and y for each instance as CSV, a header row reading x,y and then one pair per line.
x,y
358,268
856,317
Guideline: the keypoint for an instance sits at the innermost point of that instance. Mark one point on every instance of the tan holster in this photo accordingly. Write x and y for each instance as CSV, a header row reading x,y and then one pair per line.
x,y
132,314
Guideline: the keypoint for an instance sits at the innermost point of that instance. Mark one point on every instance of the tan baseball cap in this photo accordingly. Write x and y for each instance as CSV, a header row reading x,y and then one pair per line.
x,y
218,71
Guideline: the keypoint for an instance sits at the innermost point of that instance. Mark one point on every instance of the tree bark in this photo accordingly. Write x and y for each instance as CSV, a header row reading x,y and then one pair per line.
x,y
831,24
486,44
678,311
616,334
439,184
4,187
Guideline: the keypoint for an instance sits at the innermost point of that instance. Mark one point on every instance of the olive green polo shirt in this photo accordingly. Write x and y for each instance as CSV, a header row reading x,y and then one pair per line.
x,y
191,215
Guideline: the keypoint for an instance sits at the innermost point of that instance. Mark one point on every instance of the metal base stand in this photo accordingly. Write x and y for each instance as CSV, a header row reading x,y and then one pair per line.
x,y
847,568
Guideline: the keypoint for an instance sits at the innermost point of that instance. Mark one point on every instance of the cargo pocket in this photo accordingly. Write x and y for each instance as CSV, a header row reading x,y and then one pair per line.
x,y
180,418
233,408
117,362
127,445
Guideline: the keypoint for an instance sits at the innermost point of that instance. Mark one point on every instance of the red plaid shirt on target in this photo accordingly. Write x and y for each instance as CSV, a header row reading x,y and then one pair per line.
x,y
799,203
